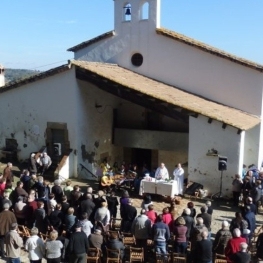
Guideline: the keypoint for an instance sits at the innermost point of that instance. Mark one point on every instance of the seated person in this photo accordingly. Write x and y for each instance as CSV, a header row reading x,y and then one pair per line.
x,y
115,243
106,181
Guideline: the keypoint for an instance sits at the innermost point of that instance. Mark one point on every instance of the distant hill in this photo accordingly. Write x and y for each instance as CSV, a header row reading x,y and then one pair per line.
x,y
18,74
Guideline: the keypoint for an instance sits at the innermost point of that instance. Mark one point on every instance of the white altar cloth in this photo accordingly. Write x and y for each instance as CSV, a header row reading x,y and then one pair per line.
x,y
158,187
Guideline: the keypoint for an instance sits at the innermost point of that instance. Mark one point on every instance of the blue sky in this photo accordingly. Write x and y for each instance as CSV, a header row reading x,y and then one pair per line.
x,y
37,33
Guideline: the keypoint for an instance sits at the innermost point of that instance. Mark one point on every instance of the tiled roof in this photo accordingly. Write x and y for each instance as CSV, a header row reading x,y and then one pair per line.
x,y
42,75
172,95
207,48
91,41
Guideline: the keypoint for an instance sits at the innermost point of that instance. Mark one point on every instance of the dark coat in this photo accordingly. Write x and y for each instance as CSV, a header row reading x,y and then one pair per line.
x,y
189,223
251,220
6,218
87,206
58,192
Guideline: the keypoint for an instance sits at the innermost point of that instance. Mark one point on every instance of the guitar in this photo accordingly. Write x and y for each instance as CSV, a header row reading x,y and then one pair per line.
x,y
105,181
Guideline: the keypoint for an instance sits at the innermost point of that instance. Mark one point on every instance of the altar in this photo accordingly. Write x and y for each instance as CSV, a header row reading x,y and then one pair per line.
x,y
158,187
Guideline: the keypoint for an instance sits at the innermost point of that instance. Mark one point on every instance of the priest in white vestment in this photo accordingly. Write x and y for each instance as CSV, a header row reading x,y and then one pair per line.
x,y
161,173
179,178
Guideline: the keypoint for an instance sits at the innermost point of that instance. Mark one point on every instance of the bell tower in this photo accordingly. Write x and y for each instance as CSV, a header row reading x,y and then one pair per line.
x,y
136,13
2,76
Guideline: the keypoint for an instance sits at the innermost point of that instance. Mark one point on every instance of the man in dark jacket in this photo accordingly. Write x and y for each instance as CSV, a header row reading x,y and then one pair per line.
x,y
207,219
189,221
128,214
87,205
78,245
241,256
251,220
203,249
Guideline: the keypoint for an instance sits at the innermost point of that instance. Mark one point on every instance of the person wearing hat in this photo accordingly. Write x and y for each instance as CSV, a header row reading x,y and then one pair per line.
x,y
221,238
78,245
13,243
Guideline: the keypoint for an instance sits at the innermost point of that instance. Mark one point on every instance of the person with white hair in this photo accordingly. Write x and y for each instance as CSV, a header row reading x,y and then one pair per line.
x,y
203,249
13,243
196,232
233,244
242,256
35,246
189,221
57,191
161,172
221,238
45,162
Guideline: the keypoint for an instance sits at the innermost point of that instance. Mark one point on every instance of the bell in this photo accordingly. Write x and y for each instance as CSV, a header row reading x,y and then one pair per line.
x,y
128,11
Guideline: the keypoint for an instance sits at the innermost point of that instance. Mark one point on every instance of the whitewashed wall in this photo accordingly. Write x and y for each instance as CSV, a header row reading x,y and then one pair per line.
x,y
26,110
204,169
251,149
95,128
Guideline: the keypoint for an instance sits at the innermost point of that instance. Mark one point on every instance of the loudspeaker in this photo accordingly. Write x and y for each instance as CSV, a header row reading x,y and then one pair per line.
x,y
222,163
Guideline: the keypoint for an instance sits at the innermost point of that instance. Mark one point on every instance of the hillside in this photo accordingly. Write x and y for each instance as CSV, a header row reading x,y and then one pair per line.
x,y
17,74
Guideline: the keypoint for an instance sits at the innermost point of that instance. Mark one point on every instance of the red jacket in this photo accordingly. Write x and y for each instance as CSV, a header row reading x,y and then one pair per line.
x,y
233,246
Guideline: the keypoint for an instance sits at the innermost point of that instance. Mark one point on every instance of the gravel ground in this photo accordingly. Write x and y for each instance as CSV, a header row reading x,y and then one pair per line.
x,y
223,210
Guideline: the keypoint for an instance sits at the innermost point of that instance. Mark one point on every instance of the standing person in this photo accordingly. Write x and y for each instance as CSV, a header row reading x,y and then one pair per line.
x,y
39,216
78,246
67,190
7,218
160,234
57,191
141,229
189,221
152,215
128,214
207,218
233,244
147,200
103,215
203,249
115,243
180,230
45,162
112,204
178,174
7,173
221,239
87,205
251,220
161,172
53,248
241,256
86,225
35,247
236,189
13,243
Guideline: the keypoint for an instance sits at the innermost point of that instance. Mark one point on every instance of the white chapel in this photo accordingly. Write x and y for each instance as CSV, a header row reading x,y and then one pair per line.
x,y
143,94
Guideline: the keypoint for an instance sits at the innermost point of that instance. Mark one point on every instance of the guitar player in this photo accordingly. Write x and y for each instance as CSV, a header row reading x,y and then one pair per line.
x,y
106,182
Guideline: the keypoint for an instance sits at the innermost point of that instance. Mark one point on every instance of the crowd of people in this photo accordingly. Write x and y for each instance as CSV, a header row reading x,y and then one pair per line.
x,y
73,221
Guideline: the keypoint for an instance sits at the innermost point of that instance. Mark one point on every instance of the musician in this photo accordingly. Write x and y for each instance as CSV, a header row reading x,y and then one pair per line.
x,y
104,167
161,172
106,182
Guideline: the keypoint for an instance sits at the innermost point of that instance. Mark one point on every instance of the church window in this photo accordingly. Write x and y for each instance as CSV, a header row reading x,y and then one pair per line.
x,y
137,59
